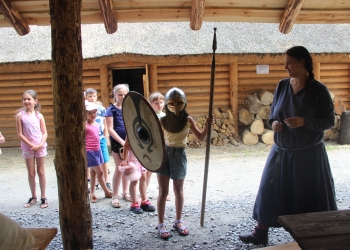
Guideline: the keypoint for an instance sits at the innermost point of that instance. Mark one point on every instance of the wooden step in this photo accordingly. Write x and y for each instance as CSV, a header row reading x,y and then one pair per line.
x,y
289,246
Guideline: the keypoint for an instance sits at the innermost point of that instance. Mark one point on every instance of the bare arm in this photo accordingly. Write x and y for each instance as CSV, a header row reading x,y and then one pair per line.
x,y
105,132
115,136
43,131
2,138
201,135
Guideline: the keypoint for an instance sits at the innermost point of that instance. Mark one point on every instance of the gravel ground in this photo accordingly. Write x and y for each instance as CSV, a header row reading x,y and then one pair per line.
x,y
233,179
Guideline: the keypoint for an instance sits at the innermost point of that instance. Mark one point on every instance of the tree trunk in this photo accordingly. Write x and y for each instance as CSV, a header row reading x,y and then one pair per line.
x,y
344,135
69,118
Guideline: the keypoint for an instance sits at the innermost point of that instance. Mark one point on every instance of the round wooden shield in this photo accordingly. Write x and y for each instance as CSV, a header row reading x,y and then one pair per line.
x,y
144,131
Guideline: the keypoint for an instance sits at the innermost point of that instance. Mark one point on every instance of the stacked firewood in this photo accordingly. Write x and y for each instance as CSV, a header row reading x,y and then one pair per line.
x,y
222,131
254,115
339,107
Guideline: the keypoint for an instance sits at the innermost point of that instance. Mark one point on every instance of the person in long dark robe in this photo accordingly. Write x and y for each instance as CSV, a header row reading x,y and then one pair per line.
x,y
297,177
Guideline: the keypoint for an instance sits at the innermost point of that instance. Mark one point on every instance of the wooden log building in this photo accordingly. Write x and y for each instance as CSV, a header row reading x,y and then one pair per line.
x,y
155,63
60,84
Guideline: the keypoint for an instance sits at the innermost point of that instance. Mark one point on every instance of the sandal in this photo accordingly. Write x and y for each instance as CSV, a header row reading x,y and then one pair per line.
x,y
127,197
30,202
168,198
115,202
163,233
93,198
44,203
182,230
109,194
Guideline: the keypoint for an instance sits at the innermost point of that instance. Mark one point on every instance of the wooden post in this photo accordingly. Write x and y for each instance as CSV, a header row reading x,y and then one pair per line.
x,y
317,70
344,133
153,78
69,119
234,95
105,92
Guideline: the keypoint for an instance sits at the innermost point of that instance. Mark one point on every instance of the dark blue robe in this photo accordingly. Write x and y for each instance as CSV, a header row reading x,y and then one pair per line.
x,y
297,177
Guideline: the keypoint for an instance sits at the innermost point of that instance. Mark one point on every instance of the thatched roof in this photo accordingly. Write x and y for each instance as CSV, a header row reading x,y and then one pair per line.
x,y
178,39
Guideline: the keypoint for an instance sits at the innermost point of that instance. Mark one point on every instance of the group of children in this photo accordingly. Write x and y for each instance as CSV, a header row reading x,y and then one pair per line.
x,y
100,123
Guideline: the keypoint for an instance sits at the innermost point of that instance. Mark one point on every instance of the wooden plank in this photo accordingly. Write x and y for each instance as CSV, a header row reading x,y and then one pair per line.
x,y
335,223
288,246
191,68
191,82
197,75
332,66
42,236
12,15
334,242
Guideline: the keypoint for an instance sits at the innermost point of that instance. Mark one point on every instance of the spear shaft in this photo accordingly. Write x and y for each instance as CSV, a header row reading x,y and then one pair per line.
x,y
207,152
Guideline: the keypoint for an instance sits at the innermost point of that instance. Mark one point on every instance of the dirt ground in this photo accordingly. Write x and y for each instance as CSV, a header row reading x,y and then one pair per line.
x,y
233,180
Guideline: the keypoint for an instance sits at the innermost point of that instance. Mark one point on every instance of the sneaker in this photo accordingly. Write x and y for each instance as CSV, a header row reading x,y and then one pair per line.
x,y
135,208
108,185
147,206
97,186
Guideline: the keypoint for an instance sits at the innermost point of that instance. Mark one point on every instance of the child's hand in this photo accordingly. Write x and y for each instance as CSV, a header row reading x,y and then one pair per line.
x,y
210,119
36,148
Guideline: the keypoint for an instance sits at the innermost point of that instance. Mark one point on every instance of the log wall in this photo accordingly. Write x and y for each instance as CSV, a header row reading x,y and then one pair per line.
x,y
12,86
194,79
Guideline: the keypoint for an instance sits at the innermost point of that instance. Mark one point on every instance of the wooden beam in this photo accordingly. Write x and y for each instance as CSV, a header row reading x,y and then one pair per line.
x,y
104,85
197,13
289,16
69,117
153,81
234,95
108,15
14,18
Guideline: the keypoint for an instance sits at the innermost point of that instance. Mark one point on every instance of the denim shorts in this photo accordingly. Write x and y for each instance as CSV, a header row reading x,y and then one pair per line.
x,y
31,154
104,150
175,164
94,158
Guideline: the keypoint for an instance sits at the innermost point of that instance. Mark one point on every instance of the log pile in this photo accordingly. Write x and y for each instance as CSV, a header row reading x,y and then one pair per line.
x,y
222,131
339,107
254,115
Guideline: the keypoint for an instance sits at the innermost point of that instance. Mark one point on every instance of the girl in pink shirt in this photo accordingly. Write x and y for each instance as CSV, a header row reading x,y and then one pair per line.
x,y
31,130
93,151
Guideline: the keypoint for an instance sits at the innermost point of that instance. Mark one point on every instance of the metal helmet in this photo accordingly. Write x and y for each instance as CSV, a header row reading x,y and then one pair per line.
x,y
175,100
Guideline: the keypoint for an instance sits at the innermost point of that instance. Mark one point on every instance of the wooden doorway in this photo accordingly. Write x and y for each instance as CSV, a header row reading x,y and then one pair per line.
x,y
136,78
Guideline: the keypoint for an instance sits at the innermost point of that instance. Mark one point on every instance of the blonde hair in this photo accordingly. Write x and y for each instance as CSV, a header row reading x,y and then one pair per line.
x,y
155,96
118,87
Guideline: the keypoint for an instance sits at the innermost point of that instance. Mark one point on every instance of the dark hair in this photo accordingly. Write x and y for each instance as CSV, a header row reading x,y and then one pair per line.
x,y
299,53
33,94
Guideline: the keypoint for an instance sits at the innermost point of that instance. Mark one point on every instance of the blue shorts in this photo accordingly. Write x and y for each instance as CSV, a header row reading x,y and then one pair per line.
x,y
175,164
104,150
94,158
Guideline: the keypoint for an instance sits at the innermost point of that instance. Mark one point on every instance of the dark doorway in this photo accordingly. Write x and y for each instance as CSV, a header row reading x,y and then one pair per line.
x,y
133,77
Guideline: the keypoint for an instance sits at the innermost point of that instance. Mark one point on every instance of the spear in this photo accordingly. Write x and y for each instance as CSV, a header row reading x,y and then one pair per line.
x,y
211,100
